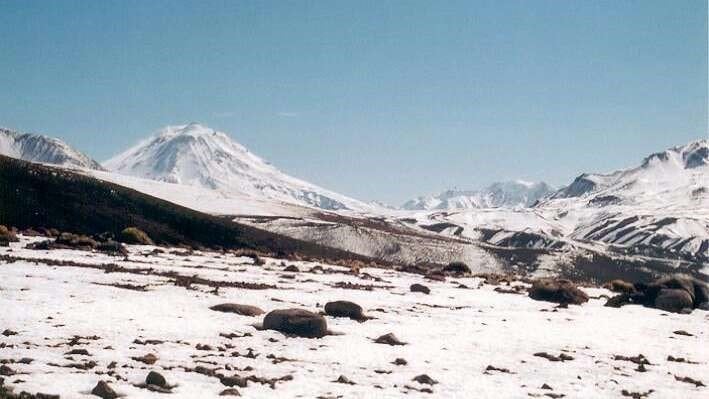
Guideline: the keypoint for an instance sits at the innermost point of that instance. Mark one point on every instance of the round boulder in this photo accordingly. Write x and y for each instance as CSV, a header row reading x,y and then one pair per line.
x,y
673,300
344,309
298,322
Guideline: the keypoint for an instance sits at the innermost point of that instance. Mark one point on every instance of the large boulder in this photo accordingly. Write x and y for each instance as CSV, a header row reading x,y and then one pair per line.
x,y
674,300
297,322
243,310
673,294
345,309
558,291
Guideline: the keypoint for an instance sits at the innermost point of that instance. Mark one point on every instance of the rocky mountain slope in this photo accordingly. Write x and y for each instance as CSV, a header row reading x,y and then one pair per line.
x,y
43,149
510,194
197,156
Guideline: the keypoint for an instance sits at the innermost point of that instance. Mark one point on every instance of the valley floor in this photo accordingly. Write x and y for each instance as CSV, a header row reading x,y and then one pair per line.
x,y
474,341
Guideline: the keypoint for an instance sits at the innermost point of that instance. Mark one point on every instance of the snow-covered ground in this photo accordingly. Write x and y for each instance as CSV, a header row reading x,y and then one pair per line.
x,y
453,334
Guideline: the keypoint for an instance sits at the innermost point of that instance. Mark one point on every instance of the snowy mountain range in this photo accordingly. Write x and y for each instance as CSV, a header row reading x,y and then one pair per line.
x,y
43,149
659,208
195,155
503,194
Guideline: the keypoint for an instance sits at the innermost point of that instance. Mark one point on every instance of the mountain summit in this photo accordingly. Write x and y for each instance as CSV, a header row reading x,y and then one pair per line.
x,y
196,155
42,149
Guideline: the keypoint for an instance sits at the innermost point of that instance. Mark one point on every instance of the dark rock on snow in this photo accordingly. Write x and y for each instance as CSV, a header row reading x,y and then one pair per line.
x,y
155,378
420,288
103,390
389,339
345,309
243,310
297,322
558,291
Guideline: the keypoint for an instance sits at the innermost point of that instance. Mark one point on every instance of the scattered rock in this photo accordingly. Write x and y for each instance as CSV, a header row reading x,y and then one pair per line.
x,y
155,378
133,235
82,352
230,392
425,379
297,322
558,291
420,288
291,269
457,269
689,380
6,371
112,247
9,333
148,359
620,286
499,369
636,395
389,339
345,309
243,310
546,386
639,359
563,357
233,381
682,332
400,362
103,390
344,380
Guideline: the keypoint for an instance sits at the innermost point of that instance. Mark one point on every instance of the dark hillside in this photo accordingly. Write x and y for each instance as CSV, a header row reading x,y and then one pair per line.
x,y
34,195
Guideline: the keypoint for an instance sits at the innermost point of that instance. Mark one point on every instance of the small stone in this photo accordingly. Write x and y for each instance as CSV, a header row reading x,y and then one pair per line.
x,y
344,380
389,339
230,392
147,359
425,379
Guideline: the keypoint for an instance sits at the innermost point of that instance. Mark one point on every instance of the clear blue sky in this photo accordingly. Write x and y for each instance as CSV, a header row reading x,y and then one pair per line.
x,y
379,100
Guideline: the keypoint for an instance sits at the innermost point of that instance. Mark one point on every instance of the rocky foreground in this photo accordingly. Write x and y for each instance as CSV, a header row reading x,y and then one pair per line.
x,y
175,323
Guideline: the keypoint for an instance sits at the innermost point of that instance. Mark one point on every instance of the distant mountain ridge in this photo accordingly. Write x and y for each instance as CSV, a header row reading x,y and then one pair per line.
x,y
42,149
509,194
196,155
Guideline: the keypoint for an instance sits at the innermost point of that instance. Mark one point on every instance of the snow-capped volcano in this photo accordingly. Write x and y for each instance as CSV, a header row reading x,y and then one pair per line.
x,y
196,155
503,194
43,149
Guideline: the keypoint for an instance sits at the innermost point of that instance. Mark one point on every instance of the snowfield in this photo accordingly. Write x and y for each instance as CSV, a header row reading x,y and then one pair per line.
x,y
120,310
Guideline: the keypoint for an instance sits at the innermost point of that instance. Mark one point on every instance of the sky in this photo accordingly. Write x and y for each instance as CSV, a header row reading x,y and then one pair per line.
x,y
379,100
